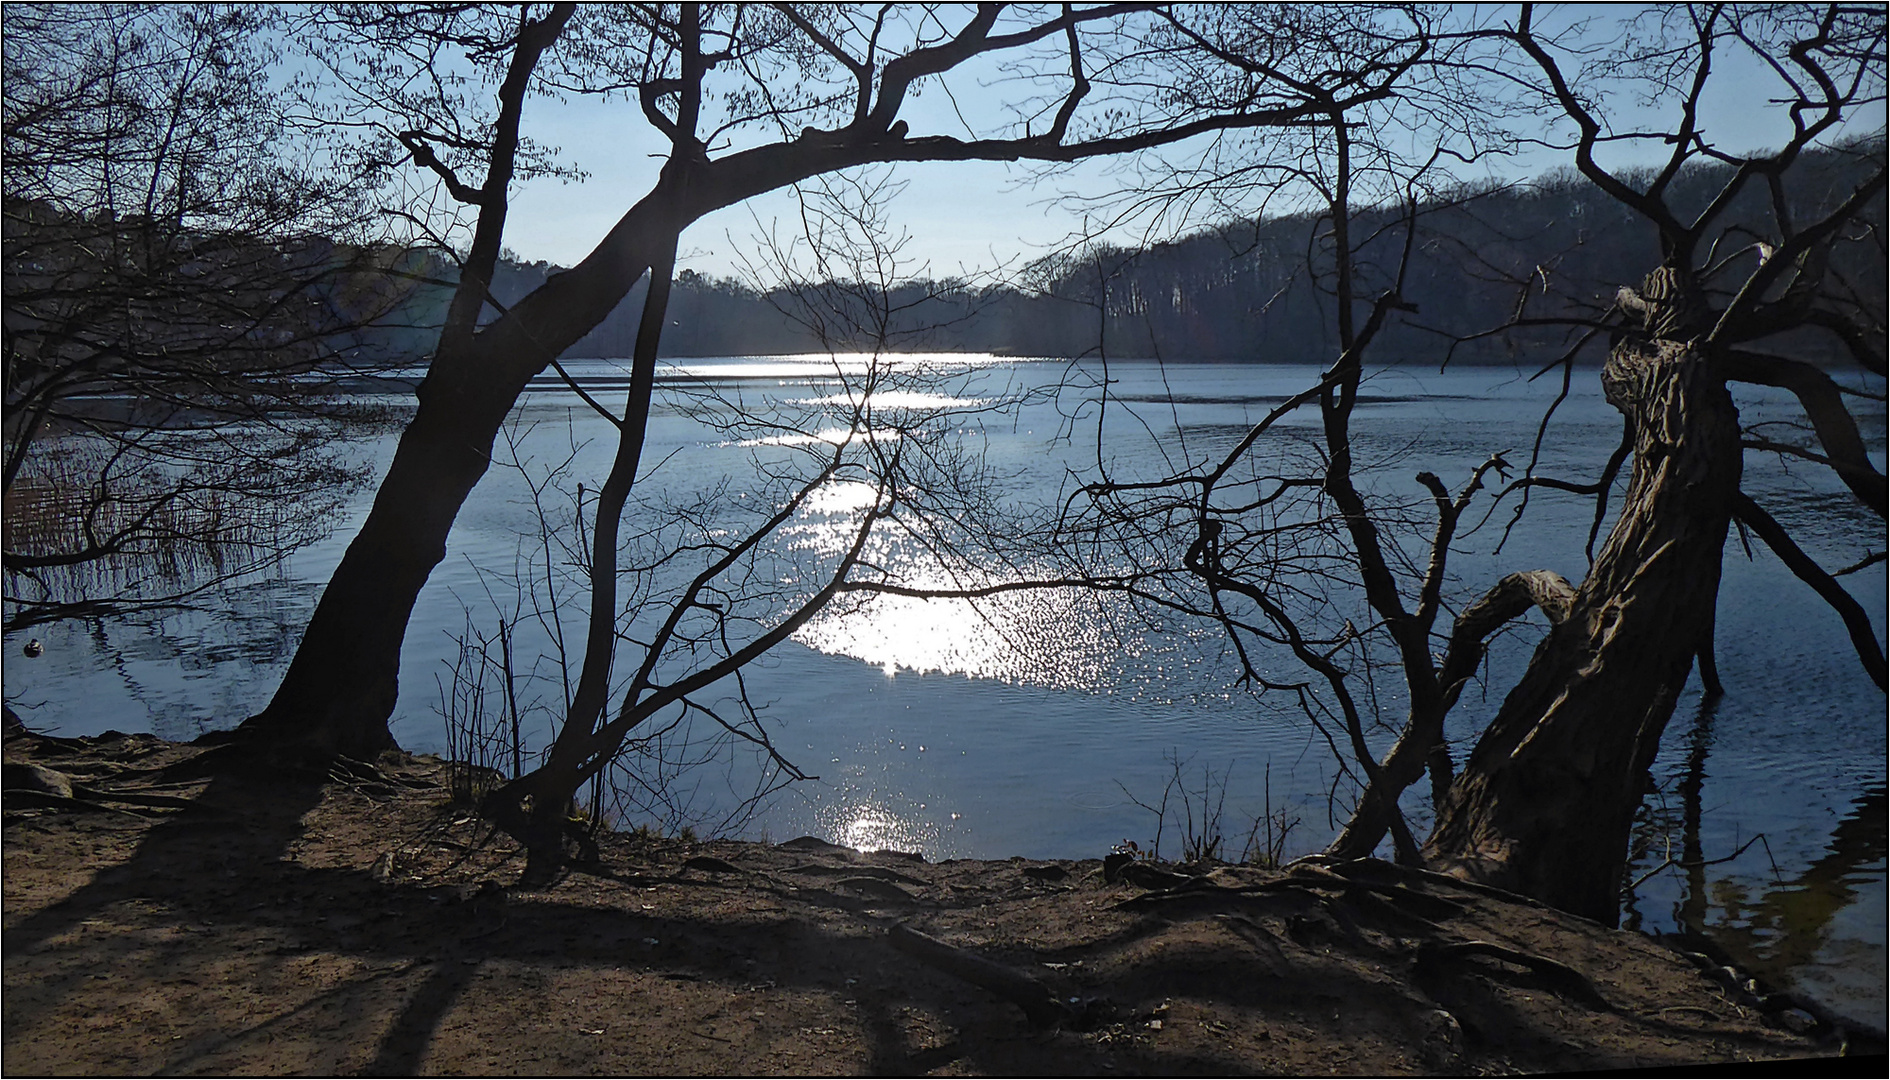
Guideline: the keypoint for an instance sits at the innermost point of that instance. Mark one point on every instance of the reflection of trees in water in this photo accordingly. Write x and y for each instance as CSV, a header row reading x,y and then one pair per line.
x,y
1783,927
96,529
178,671
1692,909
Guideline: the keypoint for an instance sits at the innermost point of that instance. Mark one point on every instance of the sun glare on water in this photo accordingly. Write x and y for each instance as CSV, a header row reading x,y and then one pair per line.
x,y
915,400
1048,638
868,826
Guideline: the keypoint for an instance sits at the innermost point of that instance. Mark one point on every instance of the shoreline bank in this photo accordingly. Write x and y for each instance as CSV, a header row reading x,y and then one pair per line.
x,y
166,917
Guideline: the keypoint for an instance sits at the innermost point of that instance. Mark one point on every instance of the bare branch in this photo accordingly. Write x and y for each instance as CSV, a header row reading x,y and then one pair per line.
x,y
1863,638
1824,405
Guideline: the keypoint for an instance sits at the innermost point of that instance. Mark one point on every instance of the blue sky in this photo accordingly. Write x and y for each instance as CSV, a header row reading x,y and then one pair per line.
x,y
959,215
968,216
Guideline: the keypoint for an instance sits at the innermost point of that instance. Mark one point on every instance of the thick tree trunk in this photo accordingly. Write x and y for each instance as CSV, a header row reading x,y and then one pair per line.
x,y
1545,803
341,687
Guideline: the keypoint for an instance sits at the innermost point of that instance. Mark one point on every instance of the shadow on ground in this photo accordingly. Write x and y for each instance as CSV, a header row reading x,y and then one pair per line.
x,y
360,925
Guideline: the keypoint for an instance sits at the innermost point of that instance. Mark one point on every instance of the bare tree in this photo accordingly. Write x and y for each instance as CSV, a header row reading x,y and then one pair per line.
x,y
1544,803
1292,551
807,92
182,295
677,605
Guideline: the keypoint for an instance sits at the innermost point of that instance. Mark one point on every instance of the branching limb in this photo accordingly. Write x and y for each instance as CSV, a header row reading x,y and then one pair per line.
x,y
1824,405
1449,512
1865,342
1747,315
1421,738
1376,790
417,144
1863,638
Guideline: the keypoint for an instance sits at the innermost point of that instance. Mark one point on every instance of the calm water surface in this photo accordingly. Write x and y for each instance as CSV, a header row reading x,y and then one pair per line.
x,y
1035,725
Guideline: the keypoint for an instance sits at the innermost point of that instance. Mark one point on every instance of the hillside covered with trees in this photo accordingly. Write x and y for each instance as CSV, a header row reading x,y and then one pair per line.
x,y
1245,291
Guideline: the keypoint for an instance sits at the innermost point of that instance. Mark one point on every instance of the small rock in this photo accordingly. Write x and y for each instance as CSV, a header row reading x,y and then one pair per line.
x,y
1796,1021
873,886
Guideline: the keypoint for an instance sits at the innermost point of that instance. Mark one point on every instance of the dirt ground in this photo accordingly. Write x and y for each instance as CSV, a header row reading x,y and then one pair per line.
x,y
160,920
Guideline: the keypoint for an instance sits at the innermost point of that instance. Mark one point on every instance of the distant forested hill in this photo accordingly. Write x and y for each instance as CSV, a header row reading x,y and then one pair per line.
x,y
1243,291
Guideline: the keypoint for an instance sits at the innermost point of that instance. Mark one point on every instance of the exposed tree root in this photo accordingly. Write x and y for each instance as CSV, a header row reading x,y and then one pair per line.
x,y
1561,978
1040,1006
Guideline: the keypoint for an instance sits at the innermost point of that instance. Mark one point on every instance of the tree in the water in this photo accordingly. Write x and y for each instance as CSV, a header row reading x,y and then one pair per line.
x,y
1545,801
803,91
1753,268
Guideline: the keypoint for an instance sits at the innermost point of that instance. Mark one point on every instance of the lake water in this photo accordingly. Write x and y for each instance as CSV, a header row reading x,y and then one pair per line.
x,y
1036,724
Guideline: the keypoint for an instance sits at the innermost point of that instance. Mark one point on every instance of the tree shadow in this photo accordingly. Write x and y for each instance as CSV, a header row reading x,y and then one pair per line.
x,y
255,820
348,970
234,908
404,1048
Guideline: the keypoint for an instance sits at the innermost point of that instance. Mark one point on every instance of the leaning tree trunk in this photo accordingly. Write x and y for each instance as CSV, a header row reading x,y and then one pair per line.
x,y
1546,801
341,687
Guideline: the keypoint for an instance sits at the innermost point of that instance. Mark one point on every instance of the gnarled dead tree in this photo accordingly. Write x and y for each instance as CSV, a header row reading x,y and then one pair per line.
x,y
1544,803
1743,282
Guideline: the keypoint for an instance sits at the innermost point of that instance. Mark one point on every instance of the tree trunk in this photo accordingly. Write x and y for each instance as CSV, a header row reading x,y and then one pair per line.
x,y
1545,803
554,784
341,687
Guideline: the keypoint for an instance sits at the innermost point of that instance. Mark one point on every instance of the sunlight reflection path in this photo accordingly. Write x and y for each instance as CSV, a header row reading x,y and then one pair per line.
x,y
869,825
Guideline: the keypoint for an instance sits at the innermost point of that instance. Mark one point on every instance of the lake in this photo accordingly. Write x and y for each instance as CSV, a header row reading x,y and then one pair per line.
x,y
1046,724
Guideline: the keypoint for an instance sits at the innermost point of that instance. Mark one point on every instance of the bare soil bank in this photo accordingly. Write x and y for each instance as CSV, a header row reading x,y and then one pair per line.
x,y
158,920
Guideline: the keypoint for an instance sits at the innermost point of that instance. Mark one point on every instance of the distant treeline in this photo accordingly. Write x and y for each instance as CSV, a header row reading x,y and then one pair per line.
x,y
1244,291
1249,291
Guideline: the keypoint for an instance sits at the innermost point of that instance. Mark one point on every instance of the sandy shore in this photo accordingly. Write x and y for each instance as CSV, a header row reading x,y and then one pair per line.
x,y
167,917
